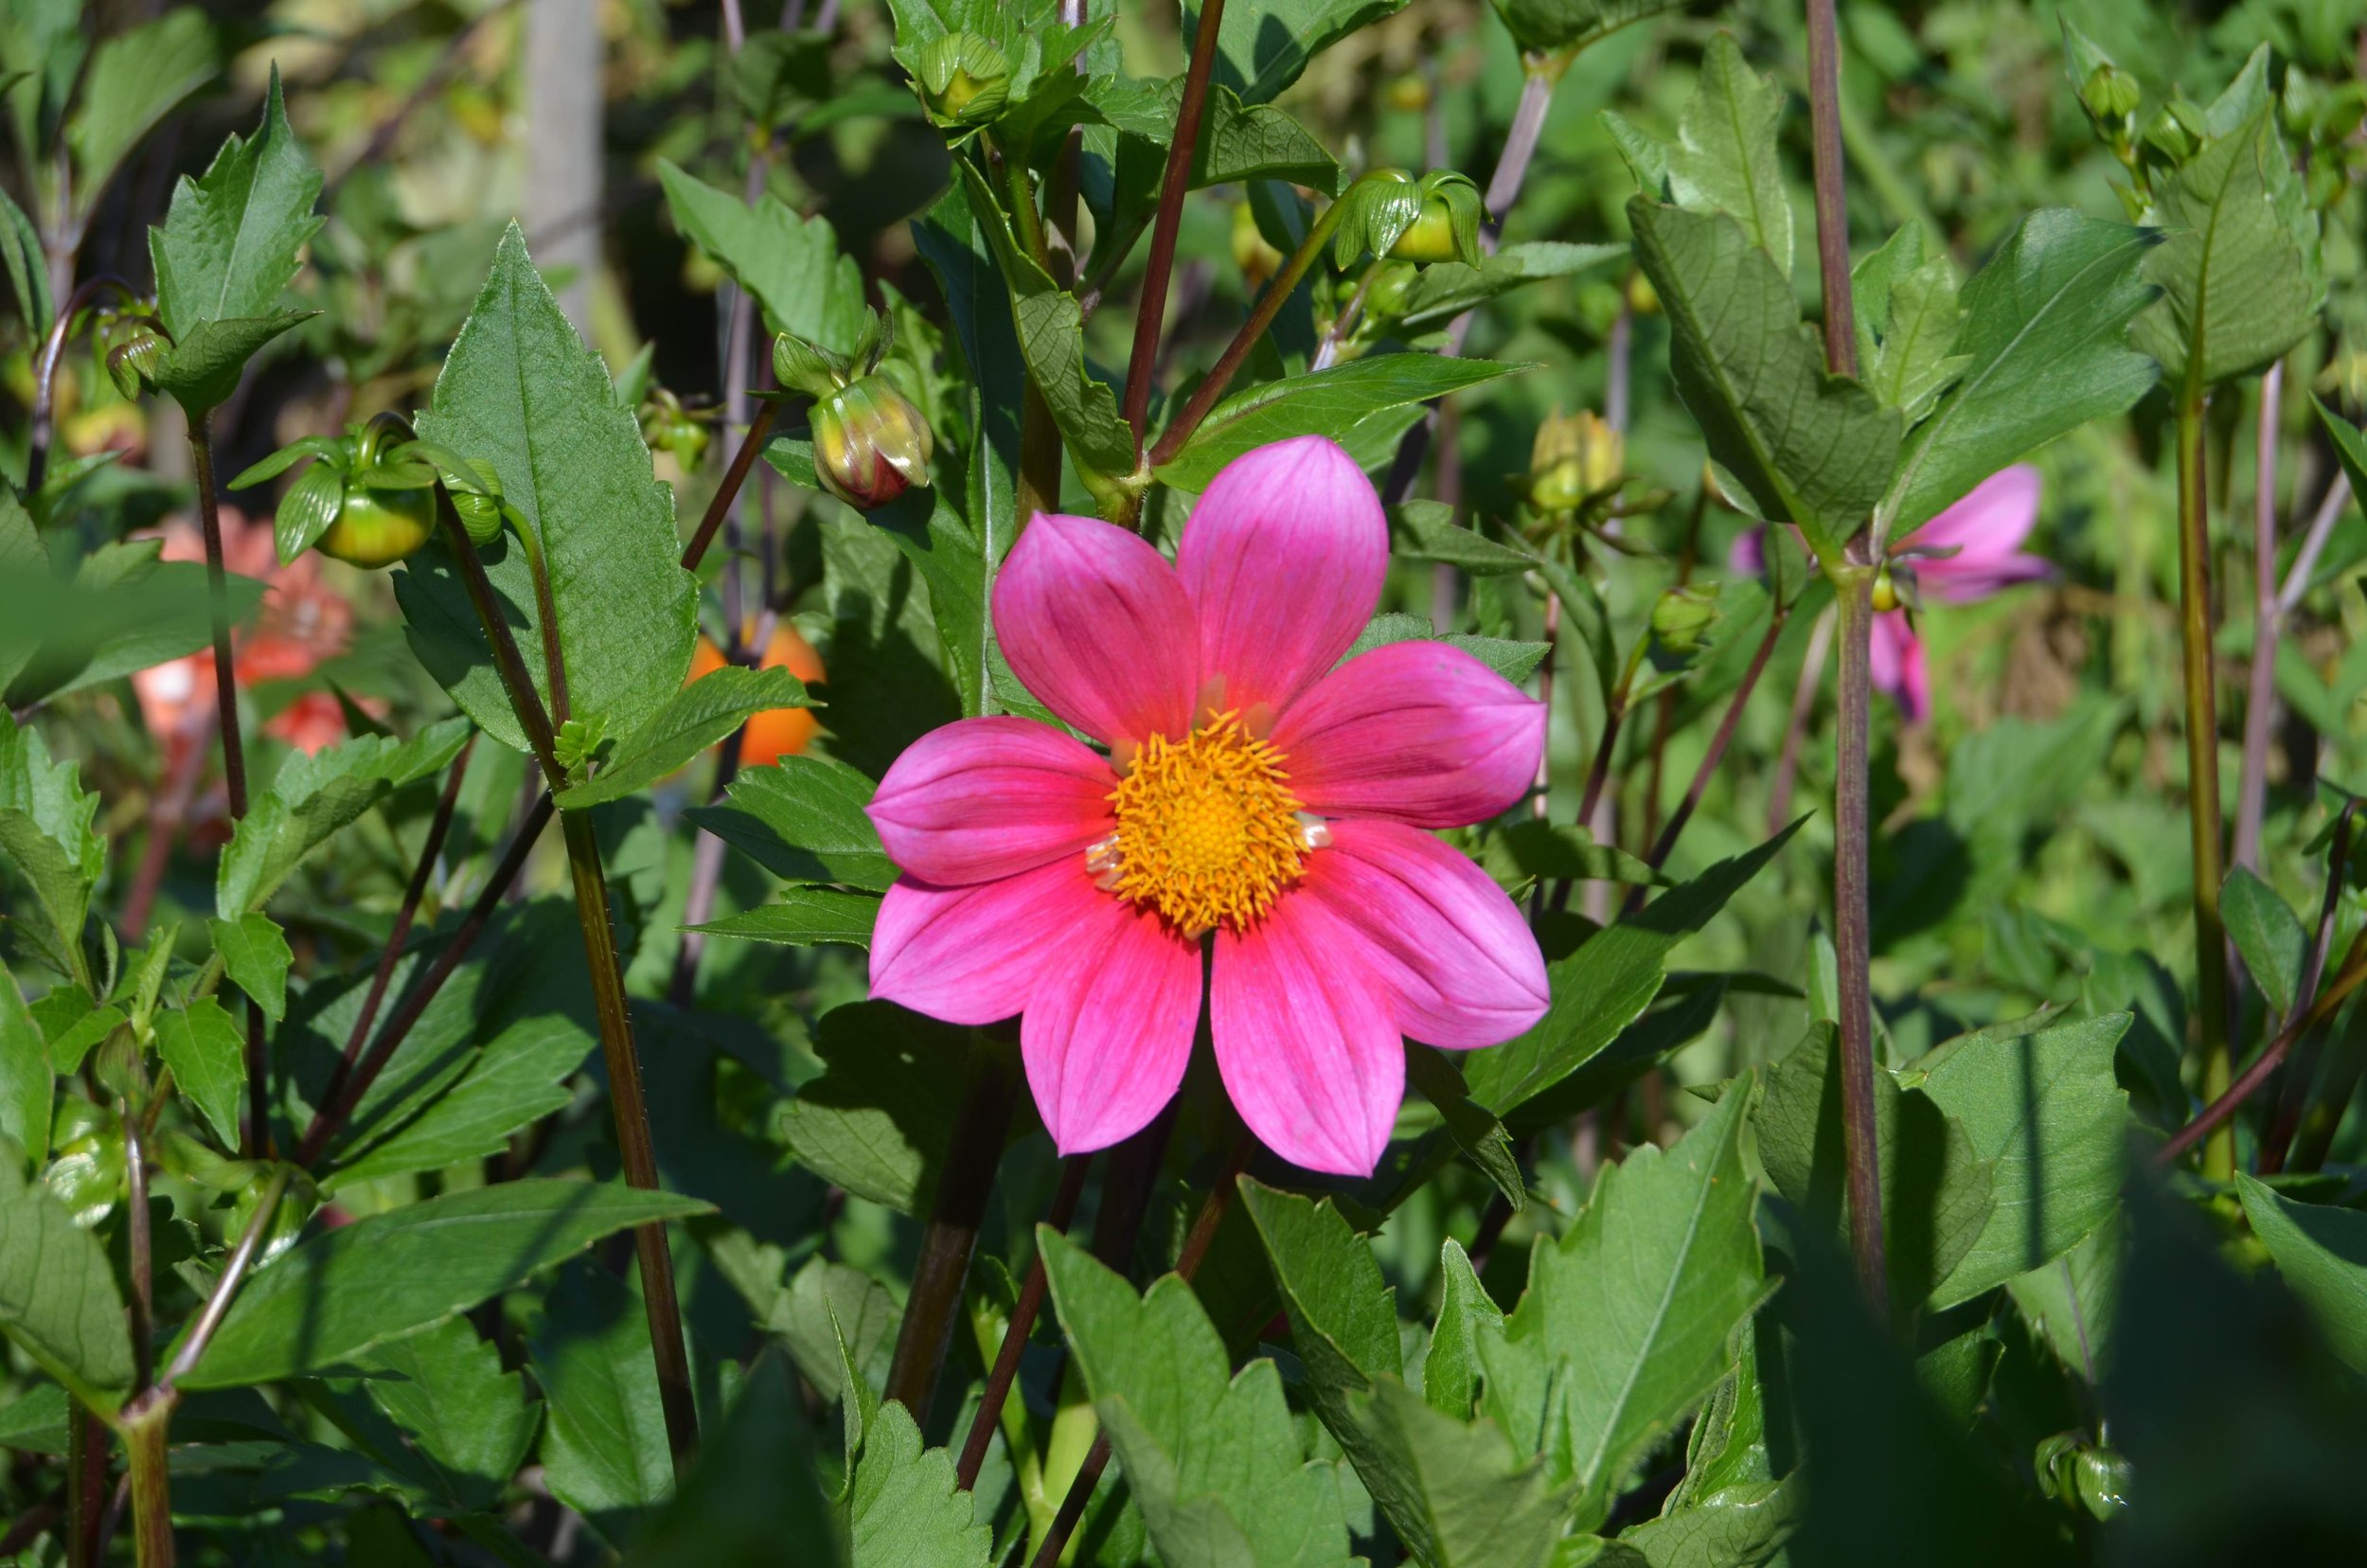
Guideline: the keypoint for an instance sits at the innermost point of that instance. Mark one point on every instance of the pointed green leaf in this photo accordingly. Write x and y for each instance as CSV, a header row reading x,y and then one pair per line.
x,y
754,1497
255,955
315,796
2269,936
1724,159
2045,335
1475,1131
2239,270
1262,45
46,833
521,392
790,264
464,1415
803,820
604,1441
232,239
27,1084
57,1295
351,1290
135,79
880,1118
2322,1252
804,917
1627,1322
1743,1524
206,1051
1325,402
28,268
902,1507
1916,361
1466,1314
1443,289
1211,1458
692,719
202,370
1803,445
2047,1112
1552,26
2350,448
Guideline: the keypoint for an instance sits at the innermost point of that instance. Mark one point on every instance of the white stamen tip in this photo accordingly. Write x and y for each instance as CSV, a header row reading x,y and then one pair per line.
x,y
1314,833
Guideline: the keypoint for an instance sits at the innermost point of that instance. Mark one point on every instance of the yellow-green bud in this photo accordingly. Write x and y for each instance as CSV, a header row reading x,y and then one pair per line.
x,y
964,80
1445,226
1574,460
131,364
1885,592
1681,619
2111,94
870,443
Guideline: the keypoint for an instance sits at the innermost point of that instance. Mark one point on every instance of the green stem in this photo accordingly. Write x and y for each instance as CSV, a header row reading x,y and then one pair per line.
x,y
1853,934
1220,375
633,1132
144,1445
85,1485
2202,770
959,1206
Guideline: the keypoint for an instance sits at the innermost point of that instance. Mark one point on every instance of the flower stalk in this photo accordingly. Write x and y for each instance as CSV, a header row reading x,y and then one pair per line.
x,y
2268,628
1853,586
2202,768
1173,181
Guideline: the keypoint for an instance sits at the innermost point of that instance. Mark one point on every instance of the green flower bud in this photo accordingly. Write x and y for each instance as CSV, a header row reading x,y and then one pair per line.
x,y
1445,226
1682,619
2101,1479
870,443
807,367
1573,460
132,362
964,80
1392,283
2111,95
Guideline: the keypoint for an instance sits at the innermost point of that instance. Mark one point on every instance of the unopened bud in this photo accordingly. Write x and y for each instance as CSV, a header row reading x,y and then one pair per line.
x,y
870,443
1409,94
1683,618
1574,460
2111,95
1446,228
964,80
131,364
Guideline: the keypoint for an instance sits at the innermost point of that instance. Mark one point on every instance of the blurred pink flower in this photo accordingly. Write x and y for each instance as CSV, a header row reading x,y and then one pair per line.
x,y
1983,532
1256,788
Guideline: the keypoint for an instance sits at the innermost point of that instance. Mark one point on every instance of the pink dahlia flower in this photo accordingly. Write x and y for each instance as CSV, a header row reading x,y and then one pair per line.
x,y
1983,531
1255,788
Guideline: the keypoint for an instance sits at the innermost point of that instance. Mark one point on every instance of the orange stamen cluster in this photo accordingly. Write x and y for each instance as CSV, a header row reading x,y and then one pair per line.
x,y
1208,830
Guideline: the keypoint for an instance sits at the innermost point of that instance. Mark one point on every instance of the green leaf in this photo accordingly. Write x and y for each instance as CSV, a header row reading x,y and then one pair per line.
x,y
1466,1314
2074,1300
803,917
518,1077
2350,448
1550,27
1426,531
46,833
1211,1460
902,1506
1455,1491
1801,445
604,1446
692,719
880,1118
827,1302
28,268
315,796
803,820
1475,1131
2269,936
1052,342
2046,1110
1606,985
123,611
257,956
230,242
27,1083
1724,159
58,1296
1443,289
2044,336
135,79
1262,45
753,1499
2240,276
351,1290
1514,661
1325,402
1742,1524
205,1048
202,370
790,264
464,1415
521,392
2322,1252
1937,1191
1916,360
1535,848
1627,1317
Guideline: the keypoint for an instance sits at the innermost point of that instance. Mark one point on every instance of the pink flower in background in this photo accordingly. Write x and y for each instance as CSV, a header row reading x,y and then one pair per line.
x,y
1983,531
1252,790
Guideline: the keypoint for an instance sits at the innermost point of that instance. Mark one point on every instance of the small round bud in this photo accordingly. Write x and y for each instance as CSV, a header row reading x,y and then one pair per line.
x,y
1408,94
1885,592
1643,300
2111,94
378,527
132,362
1574,460
1445,226
870,443
1682,619
964,80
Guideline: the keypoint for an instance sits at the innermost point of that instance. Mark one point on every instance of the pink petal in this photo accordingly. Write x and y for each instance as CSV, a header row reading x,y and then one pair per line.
x,y
983,798
1461,966
1986,529
1747,555
1415,732
1898,665
1283,559
973,954
1096,624
1306,1047
1109,1029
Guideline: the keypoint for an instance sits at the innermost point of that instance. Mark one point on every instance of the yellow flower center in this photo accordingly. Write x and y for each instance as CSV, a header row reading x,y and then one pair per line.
x,y
1207,827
